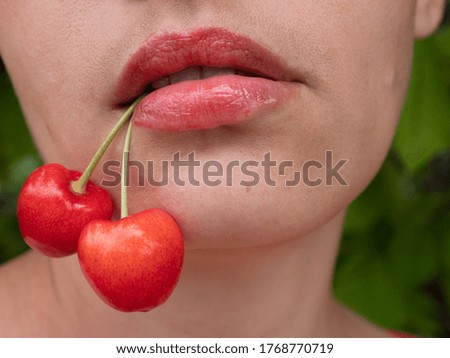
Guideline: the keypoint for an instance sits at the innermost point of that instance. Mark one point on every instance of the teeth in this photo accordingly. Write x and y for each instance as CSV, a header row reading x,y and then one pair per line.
x,y
163,82
214,71
192,74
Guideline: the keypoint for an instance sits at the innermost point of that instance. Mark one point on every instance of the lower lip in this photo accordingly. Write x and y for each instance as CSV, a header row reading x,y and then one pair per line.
x,y
210,103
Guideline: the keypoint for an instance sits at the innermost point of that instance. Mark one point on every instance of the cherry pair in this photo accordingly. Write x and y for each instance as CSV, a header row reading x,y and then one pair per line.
x,y
133,264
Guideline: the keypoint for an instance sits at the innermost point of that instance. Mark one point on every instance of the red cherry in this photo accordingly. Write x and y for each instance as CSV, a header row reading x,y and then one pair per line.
x,y
133,264
51,216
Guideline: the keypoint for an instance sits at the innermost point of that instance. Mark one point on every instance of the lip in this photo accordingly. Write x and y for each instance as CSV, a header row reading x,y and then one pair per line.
x,y
210,102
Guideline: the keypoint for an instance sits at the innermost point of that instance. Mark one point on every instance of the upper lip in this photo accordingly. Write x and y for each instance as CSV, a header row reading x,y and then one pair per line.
x,y
165,53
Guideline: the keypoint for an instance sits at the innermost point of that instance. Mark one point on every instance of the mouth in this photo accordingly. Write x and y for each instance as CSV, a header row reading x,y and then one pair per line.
x,y
203,79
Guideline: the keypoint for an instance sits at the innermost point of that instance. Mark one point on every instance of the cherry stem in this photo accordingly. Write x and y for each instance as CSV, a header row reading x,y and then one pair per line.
x,y
79,186
125,174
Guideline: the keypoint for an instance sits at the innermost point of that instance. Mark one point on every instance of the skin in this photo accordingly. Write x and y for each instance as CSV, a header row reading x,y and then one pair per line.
x,y
278,244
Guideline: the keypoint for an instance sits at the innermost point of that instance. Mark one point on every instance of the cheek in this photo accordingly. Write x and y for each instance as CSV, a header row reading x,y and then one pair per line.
x,y
376,84
53,56
363,61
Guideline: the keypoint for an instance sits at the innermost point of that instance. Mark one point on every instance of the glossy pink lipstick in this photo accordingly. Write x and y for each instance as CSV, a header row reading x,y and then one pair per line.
x,y
204,78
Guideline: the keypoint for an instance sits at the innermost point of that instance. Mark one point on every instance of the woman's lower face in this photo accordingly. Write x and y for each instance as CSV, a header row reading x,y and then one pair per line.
x,y
280,173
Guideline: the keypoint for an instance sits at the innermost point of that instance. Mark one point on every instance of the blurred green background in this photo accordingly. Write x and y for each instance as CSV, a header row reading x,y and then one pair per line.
x,y
394,265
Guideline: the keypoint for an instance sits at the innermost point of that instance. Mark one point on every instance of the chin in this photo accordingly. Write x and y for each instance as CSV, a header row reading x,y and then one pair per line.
x,y
239,217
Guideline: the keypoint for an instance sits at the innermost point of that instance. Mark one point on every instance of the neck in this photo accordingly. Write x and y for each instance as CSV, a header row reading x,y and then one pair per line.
x,y
277,290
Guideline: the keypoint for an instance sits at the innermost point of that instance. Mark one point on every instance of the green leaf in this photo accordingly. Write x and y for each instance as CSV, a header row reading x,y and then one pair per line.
x,y
424,129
